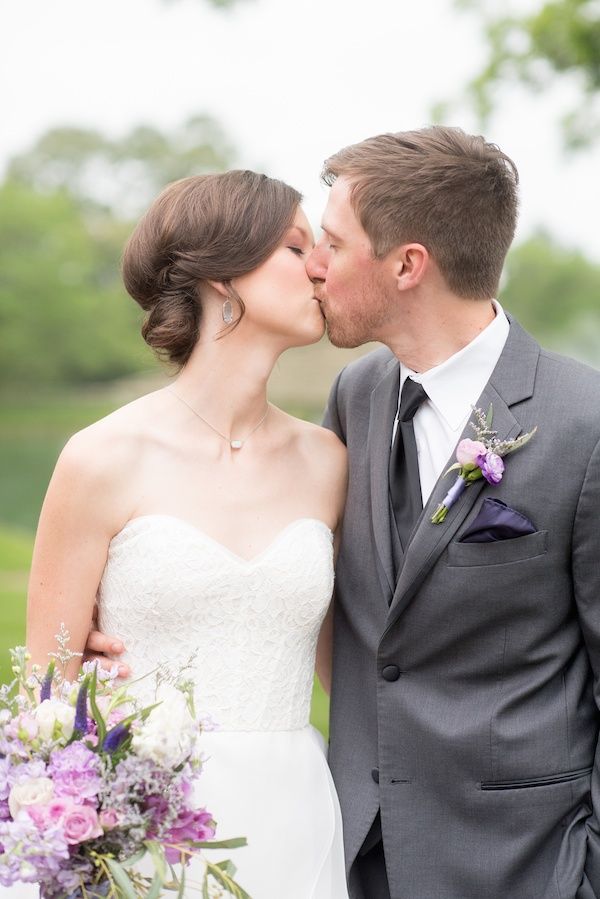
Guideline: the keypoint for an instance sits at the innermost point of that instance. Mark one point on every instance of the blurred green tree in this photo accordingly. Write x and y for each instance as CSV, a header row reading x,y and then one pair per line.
x,y
559,38
64,316
553,291
121,174
66,206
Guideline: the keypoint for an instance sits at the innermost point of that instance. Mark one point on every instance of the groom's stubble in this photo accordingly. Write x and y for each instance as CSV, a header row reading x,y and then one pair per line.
x,y
363,314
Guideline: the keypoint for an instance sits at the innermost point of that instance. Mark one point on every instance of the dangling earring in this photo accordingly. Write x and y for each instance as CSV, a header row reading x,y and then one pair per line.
x,y
227,312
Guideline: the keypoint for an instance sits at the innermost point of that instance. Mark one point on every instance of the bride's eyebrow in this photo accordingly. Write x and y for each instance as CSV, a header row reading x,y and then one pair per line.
x,y
305,235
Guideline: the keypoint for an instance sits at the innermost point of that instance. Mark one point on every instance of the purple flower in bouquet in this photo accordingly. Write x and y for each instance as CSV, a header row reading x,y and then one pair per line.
x,y
80,823
192,824
30,855
115,738
75,771
4,774
492,467
18,774
81,716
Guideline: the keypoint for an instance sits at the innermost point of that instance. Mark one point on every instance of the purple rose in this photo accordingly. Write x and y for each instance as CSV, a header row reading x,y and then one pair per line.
x,y
75,772
492,467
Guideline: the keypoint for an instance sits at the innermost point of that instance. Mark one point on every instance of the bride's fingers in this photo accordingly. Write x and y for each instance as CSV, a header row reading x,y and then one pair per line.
x,y
97,642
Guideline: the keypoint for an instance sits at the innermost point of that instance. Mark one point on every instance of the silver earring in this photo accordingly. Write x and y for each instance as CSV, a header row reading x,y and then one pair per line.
x,y
227,312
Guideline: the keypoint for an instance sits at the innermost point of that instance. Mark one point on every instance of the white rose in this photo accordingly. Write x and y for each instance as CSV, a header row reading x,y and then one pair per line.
x,y
169,734
52,712
37,791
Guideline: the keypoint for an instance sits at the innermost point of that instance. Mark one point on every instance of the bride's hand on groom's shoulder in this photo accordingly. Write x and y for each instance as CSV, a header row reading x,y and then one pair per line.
x,y
98,648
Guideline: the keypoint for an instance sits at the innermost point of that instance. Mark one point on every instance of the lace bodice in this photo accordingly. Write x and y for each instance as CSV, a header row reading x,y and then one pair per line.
x,y
169,591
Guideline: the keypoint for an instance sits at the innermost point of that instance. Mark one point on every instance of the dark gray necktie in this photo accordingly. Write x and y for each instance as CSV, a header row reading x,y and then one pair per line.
x,y
405,485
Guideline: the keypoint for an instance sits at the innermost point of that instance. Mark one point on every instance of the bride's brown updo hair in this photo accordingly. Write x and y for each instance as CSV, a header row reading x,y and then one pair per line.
x,y
203,228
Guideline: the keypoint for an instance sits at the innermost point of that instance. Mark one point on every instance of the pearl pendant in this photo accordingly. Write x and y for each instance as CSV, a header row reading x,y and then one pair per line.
x,y
236,444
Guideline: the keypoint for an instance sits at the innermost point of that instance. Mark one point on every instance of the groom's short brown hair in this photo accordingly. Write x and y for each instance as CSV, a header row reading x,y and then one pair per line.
x,y
452,192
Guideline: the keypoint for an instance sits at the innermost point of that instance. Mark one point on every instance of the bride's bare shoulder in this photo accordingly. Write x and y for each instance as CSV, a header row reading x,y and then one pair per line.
x,y
113,443
318,443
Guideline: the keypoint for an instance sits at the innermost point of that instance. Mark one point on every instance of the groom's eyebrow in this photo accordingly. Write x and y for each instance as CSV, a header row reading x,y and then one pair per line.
x,y
329,232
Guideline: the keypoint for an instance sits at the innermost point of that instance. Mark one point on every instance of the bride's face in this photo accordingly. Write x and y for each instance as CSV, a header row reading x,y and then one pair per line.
x,y
279,295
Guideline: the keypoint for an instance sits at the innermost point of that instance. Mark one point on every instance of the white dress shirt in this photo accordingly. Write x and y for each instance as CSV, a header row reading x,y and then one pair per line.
x,y
453,388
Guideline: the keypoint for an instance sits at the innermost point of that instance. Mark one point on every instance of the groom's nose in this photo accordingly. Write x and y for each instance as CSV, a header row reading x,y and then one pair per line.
x,y
317,261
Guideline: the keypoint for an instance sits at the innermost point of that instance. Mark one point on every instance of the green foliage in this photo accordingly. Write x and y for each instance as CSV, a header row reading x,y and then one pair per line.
x,y
122,174
65,209
554,291
64,316
562,37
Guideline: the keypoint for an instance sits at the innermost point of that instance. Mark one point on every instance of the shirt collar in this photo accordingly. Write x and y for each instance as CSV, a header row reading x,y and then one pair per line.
x,y
454,386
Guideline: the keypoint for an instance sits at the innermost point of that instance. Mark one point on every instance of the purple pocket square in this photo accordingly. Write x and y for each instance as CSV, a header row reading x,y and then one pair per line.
x,y
497,521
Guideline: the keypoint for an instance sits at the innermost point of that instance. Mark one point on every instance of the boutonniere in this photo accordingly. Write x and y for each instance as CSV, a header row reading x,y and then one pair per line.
x,y
479,458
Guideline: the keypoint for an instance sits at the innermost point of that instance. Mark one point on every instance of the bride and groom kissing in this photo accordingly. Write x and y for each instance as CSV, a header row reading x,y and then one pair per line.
x,y
463,654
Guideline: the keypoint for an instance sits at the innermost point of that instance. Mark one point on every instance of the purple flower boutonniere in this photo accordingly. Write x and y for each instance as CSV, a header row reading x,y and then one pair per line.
x,y
479,458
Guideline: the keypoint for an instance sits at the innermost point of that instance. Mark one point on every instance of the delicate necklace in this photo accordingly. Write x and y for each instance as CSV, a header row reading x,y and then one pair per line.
x,y
234,444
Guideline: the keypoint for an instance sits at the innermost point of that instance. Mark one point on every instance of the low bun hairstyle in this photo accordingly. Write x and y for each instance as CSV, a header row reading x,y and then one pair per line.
x,y
203,228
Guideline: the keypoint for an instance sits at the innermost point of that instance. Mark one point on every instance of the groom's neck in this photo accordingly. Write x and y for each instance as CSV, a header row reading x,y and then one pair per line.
x,y
432,328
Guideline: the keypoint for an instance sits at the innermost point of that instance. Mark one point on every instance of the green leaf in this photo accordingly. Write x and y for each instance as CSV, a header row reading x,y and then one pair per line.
x,y
454,467
100,722
158,857
226,881
181,883
227,867
489,417
133,859
121,878
519,442
233,843
155,887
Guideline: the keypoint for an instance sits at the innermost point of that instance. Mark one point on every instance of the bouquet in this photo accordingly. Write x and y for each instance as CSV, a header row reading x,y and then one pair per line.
x,y
90,783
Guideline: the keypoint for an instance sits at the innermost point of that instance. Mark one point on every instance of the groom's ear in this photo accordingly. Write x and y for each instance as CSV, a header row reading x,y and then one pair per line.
x,y
409,265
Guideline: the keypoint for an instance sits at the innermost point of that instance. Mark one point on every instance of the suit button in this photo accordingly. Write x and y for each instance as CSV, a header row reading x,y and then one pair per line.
x,y
391,672
375,775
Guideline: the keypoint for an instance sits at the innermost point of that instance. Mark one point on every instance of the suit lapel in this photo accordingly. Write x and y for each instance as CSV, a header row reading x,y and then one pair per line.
x,y
511,382
384,401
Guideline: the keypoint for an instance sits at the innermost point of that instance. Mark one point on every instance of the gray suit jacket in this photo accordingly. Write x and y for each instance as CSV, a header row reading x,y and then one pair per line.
x,y
482,752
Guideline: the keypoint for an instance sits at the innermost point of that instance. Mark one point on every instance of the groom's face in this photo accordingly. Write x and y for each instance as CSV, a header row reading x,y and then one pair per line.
x,y
351,284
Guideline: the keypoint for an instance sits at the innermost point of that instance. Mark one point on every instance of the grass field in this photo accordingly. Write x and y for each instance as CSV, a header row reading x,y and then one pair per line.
x,y
34,429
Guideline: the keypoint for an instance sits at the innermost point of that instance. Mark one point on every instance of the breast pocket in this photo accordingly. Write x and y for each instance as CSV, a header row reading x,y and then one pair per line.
x,y
498,552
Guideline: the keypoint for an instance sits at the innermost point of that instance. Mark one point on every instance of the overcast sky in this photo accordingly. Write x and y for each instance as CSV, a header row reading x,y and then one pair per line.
x,y
291,82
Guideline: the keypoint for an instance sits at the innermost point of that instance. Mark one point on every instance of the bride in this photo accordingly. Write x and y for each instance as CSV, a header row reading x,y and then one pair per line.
x,y
201,519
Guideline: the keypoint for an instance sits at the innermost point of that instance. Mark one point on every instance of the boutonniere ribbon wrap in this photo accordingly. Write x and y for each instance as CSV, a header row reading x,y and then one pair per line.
x,y
479,458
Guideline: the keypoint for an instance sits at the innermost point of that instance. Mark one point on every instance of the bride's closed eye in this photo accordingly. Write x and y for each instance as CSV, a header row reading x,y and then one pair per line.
x,y
298,250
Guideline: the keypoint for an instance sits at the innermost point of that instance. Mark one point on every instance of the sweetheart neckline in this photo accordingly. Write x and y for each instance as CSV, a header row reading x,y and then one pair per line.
x,y
225,549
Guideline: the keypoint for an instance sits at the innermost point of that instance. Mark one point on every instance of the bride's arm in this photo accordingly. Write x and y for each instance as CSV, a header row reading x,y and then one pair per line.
x,y
338,485
80,513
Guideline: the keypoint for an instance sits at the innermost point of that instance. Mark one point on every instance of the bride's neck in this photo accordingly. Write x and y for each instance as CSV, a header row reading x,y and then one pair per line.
x,y
225,381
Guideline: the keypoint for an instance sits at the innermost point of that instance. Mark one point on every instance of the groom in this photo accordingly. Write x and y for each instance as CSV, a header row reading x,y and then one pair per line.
x,y
464,717
466,673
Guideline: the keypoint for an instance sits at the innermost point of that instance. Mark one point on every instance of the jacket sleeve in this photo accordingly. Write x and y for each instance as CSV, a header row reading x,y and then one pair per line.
x,y
332,418
586,579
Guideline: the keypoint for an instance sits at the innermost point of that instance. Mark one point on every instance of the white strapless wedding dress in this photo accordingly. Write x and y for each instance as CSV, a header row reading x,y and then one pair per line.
x,y
171,592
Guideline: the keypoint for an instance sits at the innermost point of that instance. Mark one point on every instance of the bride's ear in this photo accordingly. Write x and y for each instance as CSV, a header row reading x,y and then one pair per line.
x,y
220,287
